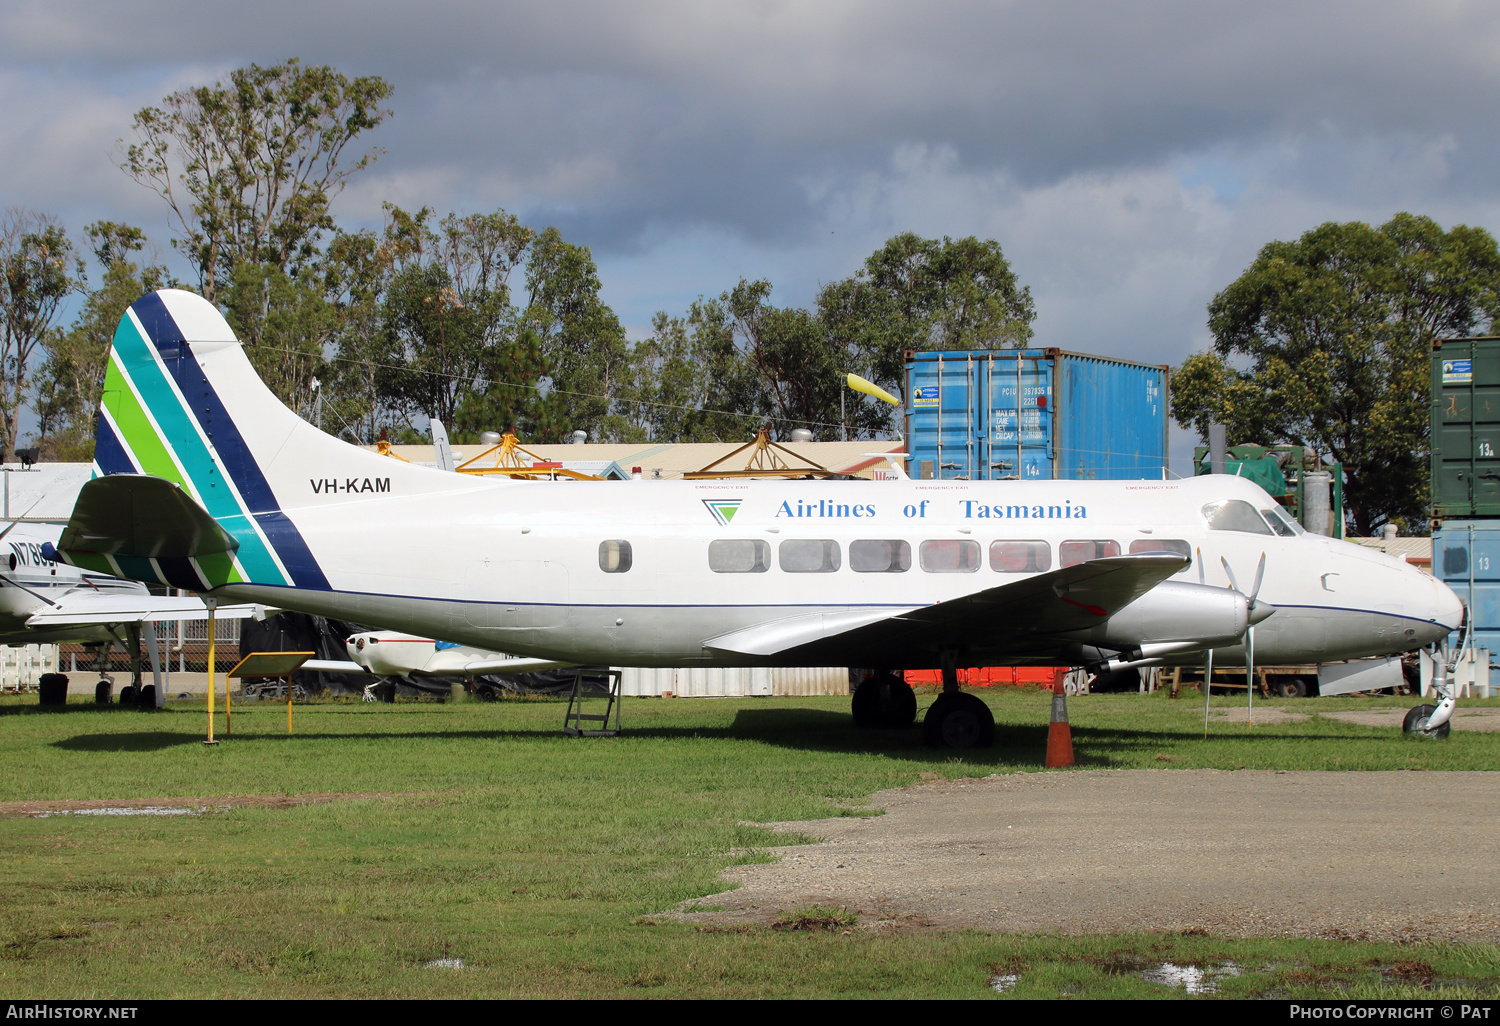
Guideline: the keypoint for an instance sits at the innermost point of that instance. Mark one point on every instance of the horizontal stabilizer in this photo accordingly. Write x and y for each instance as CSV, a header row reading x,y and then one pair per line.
x,y
142,517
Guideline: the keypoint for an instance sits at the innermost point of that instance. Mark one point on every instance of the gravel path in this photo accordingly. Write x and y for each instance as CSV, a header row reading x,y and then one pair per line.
x,y
1317,854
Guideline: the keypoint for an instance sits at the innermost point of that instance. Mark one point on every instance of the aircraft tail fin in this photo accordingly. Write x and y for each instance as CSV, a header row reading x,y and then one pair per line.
x,y
182,402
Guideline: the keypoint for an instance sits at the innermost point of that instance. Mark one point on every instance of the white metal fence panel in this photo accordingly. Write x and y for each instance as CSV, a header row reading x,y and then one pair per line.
x,y
733,682
810,680
647,680
21,666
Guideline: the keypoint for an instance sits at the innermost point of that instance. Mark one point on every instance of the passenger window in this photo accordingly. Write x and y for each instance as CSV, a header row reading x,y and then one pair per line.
x,y
1176,545
1020,557
1234,515
808,555
1070,553
950,556
614,556
879,556
1279,521
739,556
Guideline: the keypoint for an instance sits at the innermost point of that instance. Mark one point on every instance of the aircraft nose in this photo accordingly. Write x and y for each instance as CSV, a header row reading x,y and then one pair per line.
x,y
1443,614
1448,608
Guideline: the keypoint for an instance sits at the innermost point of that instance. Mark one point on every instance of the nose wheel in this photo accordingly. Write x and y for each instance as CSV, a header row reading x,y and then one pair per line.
x,y
1416,722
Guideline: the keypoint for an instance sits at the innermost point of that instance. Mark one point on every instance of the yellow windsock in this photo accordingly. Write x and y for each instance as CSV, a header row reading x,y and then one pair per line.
x,y
859,384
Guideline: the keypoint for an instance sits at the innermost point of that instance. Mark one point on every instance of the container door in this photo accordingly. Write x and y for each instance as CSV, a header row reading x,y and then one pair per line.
x,y
1112,418
941,426
1466,428
1019,416
1466,557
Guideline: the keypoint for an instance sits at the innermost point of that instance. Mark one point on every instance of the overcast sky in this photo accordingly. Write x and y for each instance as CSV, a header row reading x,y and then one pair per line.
x,y
1129,158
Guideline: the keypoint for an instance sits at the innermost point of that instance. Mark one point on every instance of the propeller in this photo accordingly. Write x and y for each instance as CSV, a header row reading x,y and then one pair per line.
x,y
1260,574
1248,638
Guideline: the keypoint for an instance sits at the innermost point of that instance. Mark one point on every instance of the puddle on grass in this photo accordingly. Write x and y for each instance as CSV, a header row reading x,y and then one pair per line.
x,y
1002,982
148,810
1196,979
444,963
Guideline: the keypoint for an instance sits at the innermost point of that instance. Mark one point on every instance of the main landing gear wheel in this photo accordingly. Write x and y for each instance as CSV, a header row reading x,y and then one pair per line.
x,y
884,701
957,720
1416,722
1291,687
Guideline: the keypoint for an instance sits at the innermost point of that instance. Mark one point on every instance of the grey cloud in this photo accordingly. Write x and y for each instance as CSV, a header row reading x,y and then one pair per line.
x,y
1053,127
1040,90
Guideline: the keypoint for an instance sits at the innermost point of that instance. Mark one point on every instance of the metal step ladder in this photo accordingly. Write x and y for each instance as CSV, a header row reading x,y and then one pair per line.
x,y
576,718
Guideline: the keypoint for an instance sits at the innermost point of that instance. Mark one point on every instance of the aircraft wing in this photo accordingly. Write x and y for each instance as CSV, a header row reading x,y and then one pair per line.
x,y
1074,598
333,666
80,606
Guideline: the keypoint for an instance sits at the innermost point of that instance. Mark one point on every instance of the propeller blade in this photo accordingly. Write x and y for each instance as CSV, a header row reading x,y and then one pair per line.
x,y
1208,676
1201,568
1250,664
1230,571
1260,575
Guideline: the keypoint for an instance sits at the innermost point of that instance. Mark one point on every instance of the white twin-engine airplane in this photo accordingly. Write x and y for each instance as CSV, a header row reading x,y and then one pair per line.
x,y
45,601
209,483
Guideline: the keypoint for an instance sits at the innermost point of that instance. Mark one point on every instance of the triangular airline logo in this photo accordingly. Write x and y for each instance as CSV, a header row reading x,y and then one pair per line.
x,y
723,509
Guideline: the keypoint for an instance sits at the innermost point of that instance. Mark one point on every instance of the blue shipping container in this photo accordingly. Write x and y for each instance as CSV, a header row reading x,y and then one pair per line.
x,y
1466,557
1034,413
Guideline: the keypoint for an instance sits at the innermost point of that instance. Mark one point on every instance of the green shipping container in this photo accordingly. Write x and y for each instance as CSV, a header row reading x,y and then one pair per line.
x,y
1466,427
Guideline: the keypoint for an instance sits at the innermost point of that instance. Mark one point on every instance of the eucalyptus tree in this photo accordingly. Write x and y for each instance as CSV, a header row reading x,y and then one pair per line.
x,y
1325,342
249,167
38,271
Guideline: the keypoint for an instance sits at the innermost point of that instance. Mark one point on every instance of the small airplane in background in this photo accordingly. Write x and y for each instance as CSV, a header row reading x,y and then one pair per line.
x,y
383,654
46,601
209,483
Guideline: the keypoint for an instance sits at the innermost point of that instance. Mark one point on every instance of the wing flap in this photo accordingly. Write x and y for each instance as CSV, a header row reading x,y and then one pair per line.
x,y
768,639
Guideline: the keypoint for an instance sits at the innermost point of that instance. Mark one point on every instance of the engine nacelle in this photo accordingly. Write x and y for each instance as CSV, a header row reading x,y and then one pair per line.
x,y
1175,612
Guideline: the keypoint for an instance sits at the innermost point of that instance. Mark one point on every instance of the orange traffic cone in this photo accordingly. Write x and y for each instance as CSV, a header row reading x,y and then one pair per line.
x,y
1059,734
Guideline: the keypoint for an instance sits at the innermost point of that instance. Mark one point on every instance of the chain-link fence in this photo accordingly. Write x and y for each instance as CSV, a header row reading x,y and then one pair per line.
x,y
181,644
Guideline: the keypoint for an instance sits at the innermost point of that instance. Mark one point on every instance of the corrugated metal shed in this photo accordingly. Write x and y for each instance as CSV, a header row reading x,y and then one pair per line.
x,y
674,460
1417,551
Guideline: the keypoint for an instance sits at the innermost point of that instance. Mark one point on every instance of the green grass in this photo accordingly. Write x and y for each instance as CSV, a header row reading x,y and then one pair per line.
x,y
540,860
